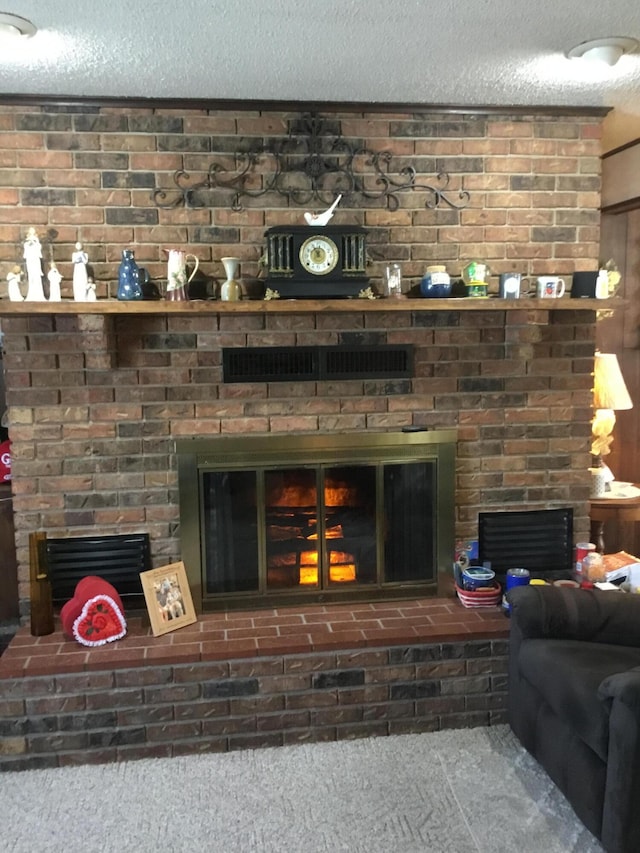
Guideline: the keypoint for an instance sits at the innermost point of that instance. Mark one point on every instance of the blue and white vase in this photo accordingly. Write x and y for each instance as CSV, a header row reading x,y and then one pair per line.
x,y
129,284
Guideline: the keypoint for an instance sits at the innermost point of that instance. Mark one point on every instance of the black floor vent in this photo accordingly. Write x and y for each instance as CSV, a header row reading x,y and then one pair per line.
x,y
300,364
538,540
117,558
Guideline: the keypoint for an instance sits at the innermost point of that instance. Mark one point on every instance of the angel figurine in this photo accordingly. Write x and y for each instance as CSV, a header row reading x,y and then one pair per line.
x,y
14,277
80,279
54,283
33,260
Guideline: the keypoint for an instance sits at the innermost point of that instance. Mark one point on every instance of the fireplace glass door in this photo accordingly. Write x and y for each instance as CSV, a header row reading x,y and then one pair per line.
x,y
318,528
285,519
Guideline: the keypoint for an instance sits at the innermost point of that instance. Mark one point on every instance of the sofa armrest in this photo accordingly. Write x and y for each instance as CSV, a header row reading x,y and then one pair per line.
x,y
623,686
575,614
620,826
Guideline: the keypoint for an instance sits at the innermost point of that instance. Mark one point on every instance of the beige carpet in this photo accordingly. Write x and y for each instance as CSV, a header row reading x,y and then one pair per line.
x,y
466,791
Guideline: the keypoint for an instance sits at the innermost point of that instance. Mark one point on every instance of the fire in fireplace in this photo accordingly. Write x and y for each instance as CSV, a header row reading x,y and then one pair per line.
x,y
279,519
293,532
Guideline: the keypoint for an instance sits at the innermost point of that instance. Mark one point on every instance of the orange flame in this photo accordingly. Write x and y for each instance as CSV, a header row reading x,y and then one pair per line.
x,y
341,570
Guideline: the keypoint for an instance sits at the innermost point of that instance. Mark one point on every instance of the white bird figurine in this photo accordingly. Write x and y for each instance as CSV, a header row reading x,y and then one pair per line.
x,y
322,218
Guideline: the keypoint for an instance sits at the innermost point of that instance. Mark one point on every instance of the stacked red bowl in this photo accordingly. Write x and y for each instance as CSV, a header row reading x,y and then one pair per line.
x,y
485,596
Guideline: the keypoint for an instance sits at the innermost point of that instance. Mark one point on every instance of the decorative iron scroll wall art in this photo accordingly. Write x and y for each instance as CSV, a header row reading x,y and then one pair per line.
x,y
314,162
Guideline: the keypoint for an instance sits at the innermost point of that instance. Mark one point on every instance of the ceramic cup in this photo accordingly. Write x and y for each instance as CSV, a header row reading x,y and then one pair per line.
x,y
598,482
550,287
509,285
435,283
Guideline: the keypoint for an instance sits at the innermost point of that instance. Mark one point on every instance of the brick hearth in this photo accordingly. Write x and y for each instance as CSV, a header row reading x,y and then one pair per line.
x,y
252,679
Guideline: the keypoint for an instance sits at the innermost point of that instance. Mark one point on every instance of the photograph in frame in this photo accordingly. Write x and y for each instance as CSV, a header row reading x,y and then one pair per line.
x,y
168,598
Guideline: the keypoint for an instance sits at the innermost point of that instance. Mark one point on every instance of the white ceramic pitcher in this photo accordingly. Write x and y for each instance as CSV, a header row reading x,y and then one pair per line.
x,y
177,280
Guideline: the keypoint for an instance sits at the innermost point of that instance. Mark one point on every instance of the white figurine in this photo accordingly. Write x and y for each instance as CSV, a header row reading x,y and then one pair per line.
x,y
80,280
13,279
54,283
322,218
91,291
33,259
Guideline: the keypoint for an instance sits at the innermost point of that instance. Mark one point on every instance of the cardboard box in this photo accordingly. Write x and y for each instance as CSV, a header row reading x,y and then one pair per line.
x,y
622,566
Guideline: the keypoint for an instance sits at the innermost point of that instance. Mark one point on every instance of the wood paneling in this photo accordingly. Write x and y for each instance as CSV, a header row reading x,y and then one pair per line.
x,y
621,176
621,334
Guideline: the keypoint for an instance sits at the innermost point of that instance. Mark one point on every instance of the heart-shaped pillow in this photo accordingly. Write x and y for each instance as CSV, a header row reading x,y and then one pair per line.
x,y
94,616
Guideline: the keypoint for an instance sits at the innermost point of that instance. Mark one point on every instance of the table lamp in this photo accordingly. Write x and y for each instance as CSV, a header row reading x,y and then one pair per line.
x,y
609,395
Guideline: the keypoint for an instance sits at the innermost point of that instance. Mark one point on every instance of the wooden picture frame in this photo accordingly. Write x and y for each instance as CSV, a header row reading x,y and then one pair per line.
x,y
168,598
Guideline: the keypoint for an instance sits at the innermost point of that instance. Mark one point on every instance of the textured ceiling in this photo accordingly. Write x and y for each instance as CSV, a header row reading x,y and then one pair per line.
x,y
467,52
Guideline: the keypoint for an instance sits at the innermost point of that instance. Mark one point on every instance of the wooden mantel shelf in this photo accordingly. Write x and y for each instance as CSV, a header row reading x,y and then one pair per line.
x,y
300,306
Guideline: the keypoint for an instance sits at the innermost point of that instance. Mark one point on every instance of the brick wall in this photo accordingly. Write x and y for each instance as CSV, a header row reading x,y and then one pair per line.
x,y
95,402
89,172
161,711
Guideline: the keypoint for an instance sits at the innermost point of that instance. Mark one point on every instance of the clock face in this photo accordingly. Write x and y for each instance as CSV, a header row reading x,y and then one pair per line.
x,y
319,255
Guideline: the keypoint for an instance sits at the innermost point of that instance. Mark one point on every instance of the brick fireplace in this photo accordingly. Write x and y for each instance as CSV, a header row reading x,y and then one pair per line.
x,y
97,403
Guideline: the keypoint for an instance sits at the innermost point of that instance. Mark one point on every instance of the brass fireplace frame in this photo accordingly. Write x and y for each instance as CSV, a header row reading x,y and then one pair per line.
x,y
199,456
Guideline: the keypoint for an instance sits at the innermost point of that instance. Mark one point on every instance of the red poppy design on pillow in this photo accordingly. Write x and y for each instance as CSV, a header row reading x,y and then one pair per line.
x,y
100,621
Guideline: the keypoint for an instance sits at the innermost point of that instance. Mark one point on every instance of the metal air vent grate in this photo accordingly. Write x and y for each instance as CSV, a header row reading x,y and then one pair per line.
x,y
117,558
538,540
381,362
268,364
307,364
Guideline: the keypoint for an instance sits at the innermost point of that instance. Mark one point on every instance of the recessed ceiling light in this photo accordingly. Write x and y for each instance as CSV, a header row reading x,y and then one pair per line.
x,y
12,26
607,51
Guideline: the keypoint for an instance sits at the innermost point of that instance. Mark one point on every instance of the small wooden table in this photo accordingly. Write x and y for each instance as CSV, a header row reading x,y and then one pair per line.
x,y
620,510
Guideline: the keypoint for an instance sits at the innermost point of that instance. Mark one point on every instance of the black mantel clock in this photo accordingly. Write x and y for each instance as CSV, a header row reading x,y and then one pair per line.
x,y
316,262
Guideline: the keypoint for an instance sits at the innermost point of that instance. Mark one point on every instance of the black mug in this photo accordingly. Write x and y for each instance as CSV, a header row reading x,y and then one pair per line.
x,y
583,285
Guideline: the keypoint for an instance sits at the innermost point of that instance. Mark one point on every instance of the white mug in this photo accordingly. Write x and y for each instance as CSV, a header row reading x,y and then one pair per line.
x,y
550,287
